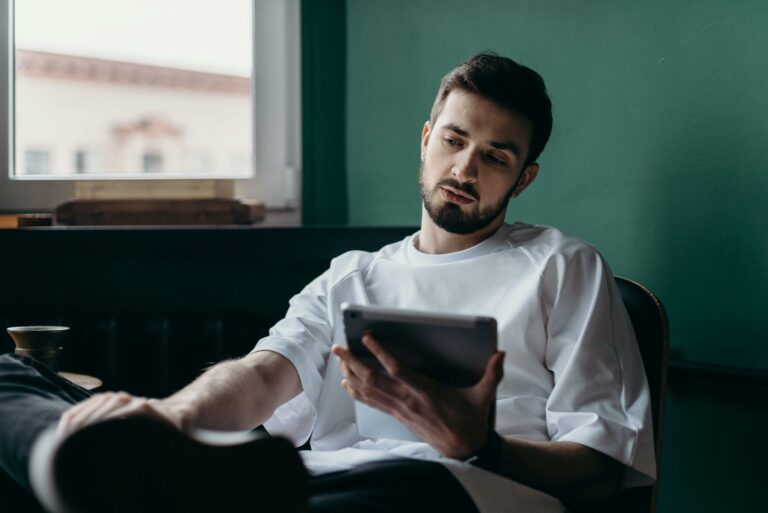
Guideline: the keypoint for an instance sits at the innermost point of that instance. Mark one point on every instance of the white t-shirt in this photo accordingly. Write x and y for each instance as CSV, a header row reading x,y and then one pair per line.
x,y
572,370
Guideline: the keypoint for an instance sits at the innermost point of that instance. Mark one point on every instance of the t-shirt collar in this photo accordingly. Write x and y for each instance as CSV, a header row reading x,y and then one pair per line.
x,y
483,248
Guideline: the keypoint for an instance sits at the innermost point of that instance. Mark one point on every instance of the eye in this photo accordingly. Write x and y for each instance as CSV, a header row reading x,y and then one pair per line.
x,y
496,161
450,141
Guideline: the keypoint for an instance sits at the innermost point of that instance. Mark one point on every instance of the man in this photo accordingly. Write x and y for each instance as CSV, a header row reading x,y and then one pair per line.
x,y
572,414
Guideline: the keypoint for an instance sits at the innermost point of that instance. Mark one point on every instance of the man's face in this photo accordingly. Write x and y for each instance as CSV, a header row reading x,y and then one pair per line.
x,y
470,160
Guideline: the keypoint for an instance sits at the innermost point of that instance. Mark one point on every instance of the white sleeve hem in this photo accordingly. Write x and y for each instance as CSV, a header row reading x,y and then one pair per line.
x,y
296,418
618,442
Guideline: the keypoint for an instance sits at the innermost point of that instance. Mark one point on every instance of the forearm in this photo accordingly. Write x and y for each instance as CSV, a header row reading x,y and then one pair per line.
x,y
572,472
237,394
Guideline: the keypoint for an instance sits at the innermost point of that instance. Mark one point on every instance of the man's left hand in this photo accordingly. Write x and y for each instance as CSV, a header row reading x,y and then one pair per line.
x,y
452,420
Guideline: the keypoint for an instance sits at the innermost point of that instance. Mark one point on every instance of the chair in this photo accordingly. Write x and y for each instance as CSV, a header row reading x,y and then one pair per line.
x,y
649,320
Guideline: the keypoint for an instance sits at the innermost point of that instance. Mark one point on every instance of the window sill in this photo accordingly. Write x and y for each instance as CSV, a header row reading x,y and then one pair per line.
x,y
275,218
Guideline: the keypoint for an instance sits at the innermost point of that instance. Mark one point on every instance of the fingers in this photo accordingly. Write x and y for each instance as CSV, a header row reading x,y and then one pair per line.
x,y
90,410
494,372
390,363
137,406
350,364
370,396
361,376
368,385
109,405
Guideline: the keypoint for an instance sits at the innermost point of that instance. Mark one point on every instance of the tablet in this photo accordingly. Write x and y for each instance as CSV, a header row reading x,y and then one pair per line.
x,y
453,349
450,348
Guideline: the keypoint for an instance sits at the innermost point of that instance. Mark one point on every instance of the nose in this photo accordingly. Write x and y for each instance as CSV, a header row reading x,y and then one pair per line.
x,y
465,167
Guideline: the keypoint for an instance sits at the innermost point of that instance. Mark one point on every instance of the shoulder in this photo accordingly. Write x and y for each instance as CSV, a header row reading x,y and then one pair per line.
x,y
357,261
547,246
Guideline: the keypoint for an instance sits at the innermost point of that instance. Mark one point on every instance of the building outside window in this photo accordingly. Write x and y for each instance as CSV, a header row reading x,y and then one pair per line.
x,y
199,161
162,89
37,162
74,86
89,162
152,163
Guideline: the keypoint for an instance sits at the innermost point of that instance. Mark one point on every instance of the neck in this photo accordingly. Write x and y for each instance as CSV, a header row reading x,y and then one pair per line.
x,y
436,241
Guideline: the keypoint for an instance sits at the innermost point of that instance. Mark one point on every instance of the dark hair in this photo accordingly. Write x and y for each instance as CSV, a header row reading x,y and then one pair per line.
x,y
508,84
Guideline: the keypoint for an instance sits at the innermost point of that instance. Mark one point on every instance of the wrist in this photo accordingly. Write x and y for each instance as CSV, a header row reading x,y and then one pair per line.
x,y
490,456
179,413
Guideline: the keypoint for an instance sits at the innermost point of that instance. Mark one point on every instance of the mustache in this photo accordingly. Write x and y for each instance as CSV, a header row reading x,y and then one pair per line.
x,y
467,187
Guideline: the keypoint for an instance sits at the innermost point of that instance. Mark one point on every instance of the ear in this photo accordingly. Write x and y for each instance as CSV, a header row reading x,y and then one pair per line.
x,y
529,175
425,139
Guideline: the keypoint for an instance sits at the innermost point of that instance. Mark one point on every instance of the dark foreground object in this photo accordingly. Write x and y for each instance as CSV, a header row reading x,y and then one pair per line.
x,y
140,464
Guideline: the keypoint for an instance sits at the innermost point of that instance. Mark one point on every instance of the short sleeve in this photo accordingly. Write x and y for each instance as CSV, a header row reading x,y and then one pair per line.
x,y
600,397
304,337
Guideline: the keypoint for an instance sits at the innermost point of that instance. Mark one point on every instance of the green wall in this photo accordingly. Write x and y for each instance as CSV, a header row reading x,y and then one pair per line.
x,y
658,155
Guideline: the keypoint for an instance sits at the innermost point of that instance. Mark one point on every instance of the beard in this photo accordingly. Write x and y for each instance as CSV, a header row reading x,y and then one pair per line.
x,y
449,216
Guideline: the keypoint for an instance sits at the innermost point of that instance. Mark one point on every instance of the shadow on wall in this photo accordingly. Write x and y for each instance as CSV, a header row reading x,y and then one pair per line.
x,y
712,255
711,263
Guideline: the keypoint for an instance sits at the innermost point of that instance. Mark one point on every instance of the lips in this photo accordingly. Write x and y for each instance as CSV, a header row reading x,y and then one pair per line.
x,y
455,196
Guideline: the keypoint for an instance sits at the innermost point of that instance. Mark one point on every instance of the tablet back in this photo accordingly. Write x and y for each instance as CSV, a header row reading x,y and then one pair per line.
x,y
453,349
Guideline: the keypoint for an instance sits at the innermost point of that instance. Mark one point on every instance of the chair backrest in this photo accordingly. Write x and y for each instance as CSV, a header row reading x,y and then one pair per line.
x,y
649,320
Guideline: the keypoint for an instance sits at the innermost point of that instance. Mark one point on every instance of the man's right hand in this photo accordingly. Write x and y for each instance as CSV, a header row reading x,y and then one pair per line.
x,y
112,405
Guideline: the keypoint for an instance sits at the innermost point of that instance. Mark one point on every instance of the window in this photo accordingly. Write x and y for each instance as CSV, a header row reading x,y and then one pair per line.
x,y
78,83
176,100
89,162
37,162
153,163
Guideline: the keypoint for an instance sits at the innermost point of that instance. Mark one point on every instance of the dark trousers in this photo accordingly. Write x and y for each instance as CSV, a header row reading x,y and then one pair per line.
x,y
33,397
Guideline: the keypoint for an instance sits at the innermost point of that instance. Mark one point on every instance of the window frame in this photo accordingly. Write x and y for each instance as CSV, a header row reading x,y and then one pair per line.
x,y
276,118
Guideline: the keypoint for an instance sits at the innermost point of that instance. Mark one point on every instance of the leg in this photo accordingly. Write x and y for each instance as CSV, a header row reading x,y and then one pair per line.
x,y
390,486
141,464
32,397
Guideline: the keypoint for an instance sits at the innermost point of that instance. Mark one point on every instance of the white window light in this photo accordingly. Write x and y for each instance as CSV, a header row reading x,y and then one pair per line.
x,y
275,118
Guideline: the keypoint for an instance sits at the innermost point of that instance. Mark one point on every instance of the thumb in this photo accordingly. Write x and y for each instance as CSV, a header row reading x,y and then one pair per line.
x,y
494,372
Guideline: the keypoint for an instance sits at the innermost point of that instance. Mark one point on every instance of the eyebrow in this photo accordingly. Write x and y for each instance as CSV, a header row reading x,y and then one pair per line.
x,y
510,146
